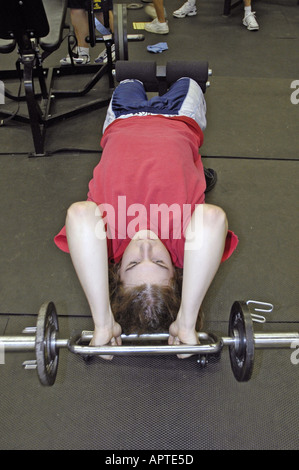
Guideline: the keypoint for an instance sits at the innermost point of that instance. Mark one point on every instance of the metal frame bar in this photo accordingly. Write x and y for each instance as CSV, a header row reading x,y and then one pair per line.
x,y
39,113
39,104
228,6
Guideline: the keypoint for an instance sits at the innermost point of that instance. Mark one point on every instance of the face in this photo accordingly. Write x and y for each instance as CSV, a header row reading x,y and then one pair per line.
x,y
146,261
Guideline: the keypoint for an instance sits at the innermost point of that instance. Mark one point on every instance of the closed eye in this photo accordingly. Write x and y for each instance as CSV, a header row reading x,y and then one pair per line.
x,y
159,263
131,265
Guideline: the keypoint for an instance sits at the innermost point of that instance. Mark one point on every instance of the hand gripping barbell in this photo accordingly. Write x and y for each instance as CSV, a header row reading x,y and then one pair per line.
x,y
241,340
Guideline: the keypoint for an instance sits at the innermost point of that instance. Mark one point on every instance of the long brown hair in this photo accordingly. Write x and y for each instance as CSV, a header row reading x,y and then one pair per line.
x,y
147,308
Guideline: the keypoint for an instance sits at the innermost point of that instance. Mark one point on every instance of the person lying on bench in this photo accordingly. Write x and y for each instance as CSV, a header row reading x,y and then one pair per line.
x,y
145,220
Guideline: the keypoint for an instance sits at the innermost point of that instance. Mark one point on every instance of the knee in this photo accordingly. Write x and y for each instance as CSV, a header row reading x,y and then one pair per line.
x,y
78,14
215,217
80,211
207,220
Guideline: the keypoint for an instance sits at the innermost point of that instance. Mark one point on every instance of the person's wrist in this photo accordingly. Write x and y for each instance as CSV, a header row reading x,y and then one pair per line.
x,y
104,322
185,321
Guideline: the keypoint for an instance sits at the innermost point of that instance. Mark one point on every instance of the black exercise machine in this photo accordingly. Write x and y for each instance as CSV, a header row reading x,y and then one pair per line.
x,y
36,27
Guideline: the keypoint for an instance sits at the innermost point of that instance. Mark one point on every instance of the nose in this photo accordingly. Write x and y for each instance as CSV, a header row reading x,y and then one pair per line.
x,y
146,249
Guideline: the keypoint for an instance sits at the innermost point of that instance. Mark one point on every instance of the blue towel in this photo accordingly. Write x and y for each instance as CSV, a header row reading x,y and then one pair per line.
x,y
160,47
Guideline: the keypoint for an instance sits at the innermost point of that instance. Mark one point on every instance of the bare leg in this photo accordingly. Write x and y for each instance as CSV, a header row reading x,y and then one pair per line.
x,y
159,7
79,21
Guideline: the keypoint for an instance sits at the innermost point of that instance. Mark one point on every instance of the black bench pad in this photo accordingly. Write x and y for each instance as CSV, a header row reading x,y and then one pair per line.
x,y
7,46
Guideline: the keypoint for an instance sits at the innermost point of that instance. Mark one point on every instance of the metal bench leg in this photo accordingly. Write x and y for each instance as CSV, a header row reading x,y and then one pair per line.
x,y
226,9
228,6
35,114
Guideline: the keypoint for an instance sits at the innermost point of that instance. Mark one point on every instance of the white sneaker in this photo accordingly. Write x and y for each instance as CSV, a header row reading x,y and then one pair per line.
x,y
78,59
151,11
102,57
250,22
186,10
156,27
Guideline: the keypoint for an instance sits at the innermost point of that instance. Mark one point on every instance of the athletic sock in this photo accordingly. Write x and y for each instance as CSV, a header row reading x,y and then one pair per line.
x,y
83,50
247,10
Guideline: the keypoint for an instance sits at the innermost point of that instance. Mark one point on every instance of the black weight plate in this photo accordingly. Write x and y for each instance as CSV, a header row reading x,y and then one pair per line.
x,y
120,31
242,352
45,344
134,6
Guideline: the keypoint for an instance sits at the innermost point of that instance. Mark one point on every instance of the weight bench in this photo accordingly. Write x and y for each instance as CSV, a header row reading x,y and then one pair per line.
x,y
160,78
35,27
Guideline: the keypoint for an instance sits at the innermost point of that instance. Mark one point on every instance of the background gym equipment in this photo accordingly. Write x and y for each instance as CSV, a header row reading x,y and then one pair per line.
x,y
30,32
119,37
241,340
36,28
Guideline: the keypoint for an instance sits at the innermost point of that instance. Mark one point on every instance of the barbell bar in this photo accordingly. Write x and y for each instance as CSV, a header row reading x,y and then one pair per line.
x,y
241,341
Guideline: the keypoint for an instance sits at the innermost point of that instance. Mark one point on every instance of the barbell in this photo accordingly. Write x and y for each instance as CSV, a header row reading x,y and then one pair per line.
x,y
241,341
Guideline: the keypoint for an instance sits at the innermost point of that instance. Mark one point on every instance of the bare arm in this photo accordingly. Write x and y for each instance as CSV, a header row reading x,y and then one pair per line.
x,y
89,255
204,246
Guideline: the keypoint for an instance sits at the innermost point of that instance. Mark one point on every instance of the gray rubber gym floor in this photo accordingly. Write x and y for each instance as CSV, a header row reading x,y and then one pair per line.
x,y
163,403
